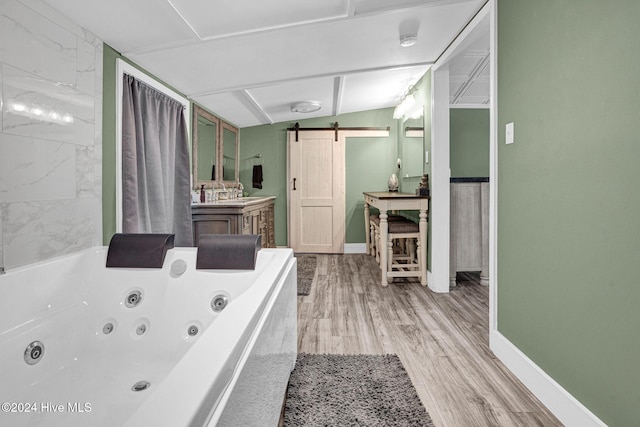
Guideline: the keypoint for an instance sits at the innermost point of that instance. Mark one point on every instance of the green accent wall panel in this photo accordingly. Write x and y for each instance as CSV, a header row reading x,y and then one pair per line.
x,y
469,142
367,169
109,143
568,198
271,142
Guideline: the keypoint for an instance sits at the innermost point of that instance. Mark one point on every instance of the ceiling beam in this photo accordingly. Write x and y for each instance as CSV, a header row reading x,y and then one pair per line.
x,y
184,19
338,90
308,77
252,105
391,7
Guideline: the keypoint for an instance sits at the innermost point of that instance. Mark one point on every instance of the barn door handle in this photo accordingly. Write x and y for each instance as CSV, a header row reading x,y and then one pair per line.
x,y
294,184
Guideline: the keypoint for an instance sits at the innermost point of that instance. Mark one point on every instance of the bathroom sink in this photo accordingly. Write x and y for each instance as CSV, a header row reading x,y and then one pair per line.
x,y
231,201
238,200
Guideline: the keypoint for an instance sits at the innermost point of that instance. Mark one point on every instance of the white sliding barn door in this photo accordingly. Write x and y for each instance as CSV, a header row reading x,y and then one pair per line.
x,y
316,191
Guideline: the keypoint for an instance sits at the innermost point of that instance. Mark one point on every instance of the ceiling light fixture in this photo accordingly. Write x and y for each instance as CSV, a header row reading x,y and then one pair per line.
x,y
305,107
407,40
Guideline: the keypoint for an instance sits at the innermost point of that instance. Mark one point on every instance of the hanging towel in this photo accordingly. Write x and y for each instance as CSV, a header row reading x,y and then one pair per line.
x,y
257,176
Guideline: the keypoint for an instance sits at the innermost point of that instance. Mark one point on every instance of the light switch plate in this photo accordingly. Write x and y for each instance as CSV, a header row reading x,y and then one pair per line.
x,y
509,133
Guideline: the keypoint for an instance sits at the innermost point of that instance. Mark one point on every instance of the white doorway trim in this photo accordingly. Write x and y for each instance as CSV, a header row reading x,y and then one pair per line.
x,y
440,177
440,167
493,168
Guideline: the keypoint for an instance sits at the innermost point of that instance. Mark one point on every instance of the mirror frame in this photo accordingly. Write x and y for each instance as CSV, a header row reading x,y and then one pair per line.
x,y
200,112
221,125
220,160
414,134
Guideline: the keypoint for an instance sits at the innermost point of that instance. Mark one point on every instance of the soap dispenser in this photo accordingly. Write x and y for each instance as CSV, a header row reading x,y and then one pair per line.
x,y
202,196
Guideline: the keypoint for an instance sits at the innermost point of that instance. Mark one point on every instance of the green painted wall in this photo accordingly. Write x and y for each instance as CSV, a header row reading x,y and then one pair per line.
x,y
109,143
369,162
568,201
469,142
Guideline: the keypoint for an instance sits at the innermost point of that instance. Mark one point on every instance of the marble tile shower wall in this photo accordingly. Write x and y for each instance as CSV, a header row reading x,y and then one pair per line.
x,y
50,134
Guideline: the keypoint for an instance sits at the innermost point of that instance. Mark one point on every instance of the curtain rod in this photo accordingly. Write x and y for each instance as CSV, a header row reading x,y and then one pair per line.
x,y
335,128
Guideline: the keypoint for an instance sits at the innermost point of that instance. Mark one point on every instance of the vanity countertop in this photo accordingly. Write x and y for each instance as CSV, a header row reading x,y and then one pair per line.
x,y
234,203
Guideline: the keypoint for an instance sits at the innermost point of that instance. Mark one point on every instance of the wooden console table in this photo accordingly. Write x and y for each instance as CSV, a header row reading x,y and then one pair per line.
x,y
387,201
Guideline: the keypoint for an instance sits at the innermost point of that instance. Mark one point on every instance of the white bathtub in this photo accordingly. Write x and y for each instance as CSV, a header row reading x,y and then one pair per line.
x,y
204,367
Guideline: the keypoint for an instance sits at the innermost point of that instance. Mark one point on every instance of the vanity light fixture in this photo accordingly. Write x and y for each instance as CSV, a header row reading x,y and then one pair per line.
x,y
408,108
404,107
305,107
407,40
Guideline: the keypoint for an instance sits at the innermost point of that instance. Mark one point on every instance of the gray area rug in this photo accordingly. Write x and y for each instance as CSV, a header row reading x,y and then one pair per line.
x,y
360,390
307,264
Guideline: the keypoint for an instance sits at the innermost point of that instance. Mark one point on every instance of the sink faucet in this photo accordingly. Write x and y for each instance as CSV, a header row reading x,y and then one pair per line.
x,y
223,187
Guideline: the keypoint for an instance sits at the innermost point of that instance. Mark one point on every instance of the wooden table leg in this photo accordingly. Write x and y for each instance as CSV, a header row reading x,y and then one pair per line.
x,y
423,245
384,230
367,226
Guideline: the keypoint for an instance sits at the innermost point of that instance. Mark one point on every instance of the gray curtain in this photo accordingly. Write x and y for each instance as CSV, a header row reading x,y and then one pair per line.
x,y
155,164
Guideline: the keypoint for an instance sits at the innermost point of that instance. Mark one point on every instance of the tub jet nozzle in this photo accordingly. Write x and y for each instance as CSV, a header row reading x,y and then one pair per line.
x,y
219,302
34,352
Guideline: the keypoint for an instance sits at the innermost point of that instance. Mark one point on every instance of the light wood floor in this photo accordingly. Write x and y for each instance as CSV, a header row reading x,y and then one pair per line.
x,y
441,339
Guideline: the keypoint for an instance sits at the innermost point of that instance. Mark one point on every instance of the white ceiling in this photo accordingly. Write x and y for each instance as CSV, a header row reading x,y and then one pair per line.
x,y
249,60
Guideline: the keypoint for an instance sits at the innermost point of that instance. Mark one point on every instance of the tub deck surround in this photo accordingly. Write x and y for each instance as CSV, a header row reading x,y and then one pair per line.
x,y
198,362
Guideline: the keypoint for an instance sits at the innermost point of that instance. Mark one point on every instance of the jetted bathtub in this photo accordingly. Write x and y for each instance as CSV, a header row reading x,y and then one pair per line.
x,y
86,345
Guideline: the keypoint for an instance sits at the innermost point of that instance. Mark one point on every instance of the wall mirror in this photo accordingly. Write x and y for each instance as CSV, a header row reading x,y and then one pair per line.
x,y
215,150
229,153
412,140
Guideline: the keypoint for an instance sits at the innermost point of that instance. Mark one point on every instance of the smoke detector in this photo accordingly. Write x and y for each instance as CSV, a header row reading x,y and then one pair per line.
x,y
407,40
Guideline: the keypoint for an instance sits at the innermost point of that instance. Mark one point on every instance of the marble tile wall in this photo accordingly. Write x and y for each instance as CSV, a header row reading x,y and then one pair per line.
x,y
50,134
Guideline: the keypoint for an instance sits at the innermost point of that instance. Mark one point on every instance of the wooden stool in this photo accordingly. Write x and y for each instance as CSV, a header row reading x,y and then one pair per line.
x,y
374,233
410,262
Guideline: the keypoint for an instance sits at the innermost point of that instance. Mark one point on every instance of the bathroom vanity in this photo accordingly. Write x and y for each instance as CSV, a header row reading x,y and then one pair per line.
x,y
247,215
469,238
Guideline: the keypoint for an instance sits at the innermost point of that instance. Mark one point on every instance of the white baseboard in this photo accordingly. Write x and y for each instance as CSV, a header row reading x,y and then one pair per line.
x,y
558,400
355,248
